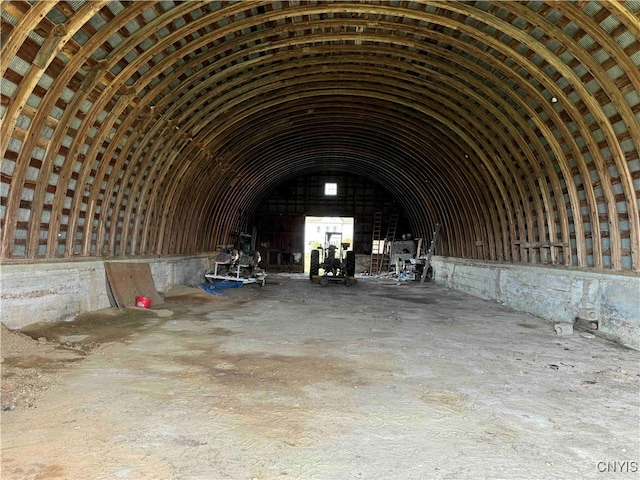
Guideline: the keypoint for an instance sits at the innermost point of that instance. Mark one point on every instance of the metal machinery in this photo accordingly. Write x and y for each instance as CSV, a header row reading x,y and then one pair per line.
x,y
402,257
427,272
337,265
237,266
409,264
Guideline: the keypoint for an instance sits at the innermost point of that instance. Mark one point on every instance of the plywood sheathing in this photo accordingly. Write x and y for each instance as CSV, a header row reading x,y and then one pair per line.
x,y
128,280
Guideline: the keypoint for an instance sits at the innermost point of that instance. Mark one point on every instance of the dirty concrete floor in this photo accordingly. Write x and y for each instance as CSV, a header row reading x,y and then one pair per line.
x,y
297,381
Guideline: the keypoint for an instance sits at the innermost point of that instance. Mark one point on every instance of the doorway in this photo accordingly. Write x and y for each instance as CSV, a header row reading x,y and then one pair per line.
x,y
318,231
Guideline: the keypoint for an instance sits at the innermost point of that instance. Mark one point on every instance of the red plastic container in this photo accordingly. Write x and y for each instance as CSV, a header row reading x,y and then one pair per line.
x,y
143,302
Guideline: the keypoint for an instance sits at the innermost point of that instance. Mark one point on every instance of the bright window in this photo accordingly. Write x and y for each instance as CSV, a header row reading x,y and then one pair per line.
x,y
330,188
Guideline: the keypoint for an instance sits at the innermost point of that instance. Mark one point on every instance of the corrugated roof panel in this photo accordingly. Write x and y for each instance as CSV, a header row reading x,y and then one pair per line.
x,y
76,4
167,5
86,105
146,44
45,81
7,166
163,32
23,122
6,16
34,101
591,7
56,16
23,216
27,195
633,5
625,39
149,14
535,5
38,153
610,110
610,23
7,87
97,21
36,38
32,172
67,94
620,127
586,42
56,112
132,26
99,54
80,37
46,132
632,98
62,56
615,72
601,56
115,40
116,7
130,56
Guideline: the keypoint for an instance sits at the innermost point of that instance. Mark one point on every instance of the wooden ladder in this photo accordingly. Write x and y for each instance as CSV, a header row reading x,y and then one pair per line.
x,y
392,226
376,248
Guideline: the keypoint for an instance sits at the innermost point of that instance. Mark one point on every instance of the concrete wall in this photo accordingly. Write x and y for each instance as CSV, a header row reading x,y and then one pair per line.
x,y
61,290
554,293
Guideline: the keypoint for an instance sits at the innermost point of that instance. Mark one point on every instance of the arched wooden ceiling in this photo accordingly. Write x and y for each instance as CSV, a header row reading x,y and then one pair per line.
x,y
151,127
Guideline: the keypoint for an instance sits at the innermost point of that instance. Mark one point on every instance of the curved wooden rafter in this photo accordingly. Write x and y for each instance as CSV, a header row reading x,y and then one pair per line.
x,y
532,137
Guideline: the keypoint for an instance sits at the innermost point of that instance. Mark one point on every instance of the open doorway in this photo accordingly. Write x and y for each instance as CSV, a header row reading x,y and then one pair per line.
x,y
320,230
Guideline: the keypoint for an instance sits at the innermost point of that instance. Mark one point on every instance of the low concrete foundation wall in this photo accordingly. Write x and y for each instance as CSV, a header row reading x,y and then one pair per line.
x,y
61,290
554,293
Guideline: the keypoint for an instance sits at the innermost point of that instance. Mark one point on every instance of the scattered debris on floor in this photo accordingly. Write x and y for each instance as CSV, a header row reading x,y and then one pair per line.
x,y
184,293
281,377
28,367
34,357
564,328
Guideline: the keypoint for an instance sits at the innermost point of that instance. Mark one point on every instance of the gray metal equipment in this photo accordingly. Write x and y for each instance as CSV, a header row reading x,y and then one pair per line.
x,y
235,266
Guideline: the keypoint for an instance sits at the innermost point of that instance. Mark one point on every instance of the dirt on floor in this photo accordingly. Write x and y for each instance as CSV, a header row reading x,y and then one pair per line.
x,y
379,380
34,357
29,367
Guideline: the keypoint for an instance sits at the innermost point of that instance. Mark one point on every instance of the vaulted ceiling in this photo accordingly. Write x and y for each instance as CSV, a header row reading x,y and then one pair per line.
x,y
151,127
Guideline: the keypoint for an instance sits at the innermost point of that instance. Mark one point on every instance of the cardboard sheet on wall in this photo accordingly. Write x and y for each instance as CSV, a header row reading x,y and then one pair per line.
x,y
129,280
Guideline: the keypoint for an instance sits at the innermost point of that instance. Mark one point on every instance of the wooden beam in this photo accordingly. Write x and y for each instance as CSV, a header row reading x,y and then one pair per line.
x,y
50,44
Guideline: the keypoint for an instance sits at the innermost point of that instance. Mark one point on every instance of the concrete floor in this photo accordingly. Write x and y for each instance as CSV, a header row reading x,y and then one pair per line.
x,y
296,381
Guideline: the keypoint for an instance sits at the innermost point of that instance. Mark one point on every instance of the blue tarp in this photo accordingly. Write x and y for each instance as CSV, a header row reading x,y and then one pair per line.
x,y
216,287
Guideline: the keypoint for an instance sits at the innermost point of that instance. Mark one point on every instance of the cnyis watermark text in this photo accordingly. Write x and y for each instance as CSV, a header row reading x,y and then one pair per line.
x,y
618,467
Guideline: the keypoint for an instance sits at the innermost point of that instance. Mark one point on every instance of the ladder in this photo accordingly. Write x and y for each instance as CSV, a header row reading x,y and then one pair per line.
x,y
426,274
392,226
376,247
